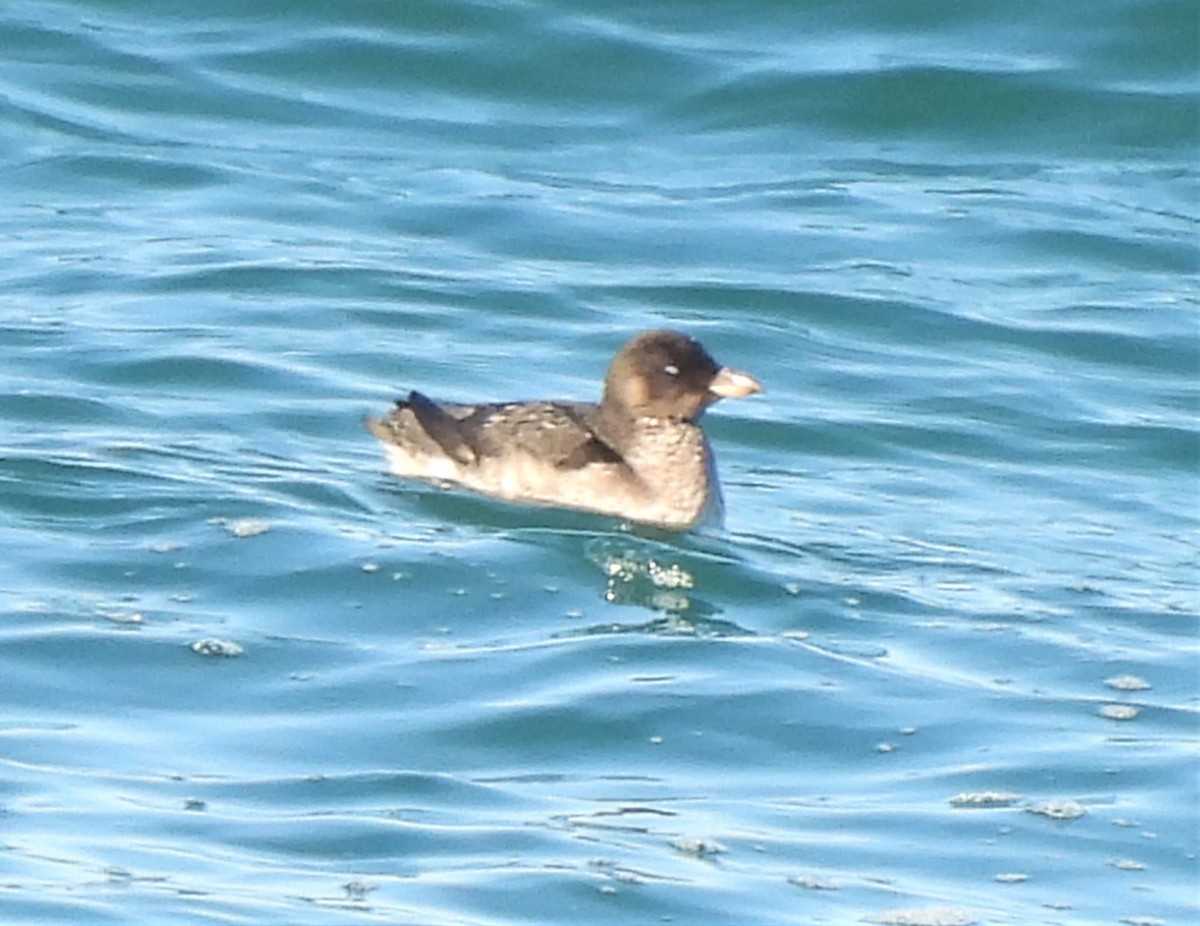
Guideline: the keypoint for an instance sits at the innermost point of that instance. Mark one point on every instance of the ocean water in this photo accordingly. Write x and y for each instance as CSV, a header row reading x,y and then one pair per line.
x,y
940,665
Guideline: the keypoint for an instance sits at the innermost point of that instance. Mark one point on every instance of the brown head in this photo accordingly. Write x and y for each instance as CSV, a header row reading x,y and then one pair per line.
x,y
666,374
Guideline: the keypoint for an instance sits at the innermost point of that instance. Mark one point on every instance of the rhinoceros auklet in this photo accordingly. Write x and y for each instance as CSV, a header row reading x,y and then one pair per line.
x,y
638,455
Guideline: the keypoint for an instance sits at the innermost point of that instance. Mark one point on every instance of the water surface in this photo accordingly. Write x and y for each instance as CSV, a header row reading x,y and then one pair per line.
x,y
939,667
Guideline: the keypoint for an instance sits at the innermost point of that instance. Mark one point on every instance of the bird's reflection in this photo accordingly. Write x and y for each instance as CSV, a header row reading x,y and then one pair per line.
x,y
661,578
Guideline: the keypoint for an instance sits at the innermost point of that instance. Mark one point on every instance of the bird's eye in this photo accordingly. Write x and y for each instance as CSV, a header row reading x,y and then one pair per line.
x,y
671,370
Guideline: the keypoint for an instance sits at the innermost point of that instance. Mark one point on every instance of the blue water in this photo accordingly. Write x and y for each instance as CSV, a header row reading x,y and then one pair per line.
x,y
940,667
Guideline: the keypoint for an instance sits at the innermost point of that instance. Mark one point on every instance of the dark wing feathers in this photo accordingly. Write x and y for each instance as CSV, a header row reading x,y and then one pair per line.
x,y
588,452
563,434
589,446
446,430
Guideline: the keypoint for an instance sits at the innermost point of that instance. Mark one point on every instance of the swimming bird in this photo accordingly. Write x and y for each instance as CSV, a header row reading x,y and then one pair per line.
x,y
639,454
